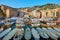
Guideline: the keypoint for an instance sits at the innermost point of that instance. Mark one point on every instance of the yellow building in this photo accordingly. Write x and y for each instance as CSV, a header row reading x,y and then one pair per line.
x,y
43,13
51,13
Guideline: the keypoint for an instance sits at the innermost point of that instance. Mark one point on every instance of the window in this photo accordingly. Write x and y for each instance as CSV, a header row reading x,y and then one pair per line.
x,y
40,14
57,14
53,13
46,13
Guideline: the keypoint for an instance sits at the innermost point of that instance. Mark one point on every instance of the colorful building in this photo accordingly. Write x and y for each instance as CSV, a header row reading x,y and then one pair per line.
x,y
13,12
51,13
10,12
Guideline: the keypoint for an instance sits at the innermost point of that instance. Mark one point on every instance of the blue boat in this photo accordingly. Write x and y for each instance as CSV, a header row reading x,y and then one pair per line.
x,y
5,32
54,32
19,34
57,29
10,34
51,34
27,34
35,34
42,33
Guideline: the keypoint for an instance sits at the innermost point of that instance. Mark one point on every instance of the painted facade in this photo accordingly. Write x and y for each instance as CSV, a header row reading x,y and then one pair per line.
x,y
11,12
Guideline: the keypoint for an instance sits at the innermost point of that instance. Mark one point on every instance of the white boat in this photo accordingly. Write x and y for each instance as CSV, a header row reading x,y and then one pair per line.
x,y
27,34
54,32
42,33
19,34
35,34
10,35
5,32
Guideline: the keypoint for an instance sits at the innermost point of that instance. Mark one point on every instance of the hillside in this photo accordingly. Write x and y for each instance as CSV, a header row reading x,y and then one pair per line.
x,y
47,6
43,7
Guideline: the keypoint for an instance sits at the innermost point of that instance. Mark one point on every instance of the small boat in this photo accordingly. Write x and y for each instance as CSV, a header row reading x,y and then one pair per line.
x,y
27,34
42,33
55,32
57,29
5,32
19,34
35,34
51,34
46,35
10,34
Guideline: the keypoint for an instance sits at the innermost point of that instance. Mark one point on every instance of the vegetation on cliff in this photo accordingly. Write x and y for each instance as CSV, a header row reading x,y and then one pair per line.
x,y
47,6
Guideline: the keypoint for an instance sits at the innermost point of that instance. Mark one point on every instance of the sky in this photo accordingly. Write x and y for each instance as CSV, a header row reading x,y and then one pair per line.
x,y
27,3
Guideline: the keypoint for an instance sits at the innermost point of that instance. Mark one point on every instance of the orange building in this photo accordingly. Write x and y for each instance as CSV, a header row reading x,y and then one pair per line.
x,y
10,12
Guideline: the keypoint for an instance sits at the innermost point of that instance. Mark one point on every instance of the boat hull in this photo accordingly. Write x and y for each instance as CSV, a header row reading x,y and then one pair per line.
x,y
35,34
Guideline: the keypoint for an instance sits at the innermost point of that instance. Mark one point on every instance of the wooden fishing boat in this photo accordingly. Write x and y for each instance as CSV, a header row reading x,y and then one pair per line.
x,y
27,34
57,29
19,34
5,32
35,34
54,32
42,33
51,34
10,34
44,29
